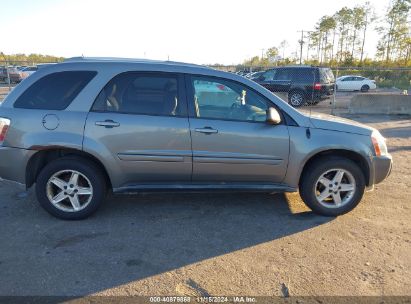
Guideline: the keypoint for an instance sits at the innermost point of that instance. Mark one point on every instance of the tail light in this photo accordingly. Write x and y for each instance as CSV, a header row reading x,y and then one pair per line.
x,y
317,86
4,126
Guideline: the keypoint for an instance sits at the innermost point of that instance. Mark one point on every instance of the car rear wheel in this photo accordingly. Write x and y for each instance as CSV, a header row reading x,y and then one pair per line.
x,y
296,98
71,188
365,88
332,186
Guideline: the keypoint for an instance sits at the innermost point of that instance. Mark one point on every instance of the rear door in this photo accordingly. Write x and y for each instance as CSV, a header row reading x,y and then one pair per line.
x,y
345,83
231,141
282,80
139,124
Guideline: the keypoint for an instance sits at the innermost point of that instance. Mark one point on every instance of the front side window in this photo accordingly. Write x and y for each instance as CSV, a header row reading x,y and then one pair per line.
x,y
269,75
140,93
227,100
55,91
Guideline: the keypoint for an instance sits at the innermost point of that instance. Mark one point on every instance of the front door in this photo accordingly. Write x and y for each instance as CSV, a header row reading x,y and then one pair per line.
x,y
139,125
231,141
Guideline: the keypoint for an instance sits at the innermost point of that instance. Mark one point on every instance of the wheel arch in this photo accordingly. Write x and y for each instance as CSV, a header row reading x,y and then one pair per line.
x,y
357,158
40,159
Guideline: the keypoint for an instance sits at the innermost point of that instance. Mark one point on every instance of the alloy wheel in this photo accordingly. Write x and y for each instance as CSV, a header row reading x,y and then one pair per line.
x,y
296,99
335,188
69,190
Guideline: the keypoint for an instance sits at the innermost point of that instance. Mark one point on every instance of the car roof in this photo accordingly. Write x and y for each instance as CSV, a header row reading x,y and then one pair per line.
x,y
131,60
299,67
345,76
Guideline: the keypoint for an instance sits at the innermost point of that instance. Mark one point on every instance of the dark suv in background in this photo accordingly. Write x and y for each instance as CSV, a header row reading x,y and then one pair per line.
x,y
303,84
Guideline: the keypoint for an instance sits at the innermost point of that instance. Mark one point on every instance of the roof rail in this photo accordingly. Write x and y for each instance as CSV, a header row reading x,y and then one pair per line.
x,y
131,60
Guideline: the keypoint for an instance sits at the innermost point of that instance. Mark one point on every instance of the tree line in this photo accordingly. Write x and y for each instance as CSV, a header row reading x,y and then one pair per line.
x,y
23,59
339,39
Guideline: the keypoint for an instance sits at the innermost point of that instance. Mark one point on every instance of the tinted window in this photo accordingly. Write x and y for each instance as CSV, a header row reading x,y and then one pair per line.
x,y
303,75
139,93
223,99
269,75
283,74
30,69
326,75
358,78
54,91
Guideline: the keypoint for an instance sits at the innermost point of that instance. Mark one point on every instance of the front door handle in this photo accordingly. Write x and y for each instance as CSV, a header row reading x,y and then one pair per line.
x,y
206,130
108,123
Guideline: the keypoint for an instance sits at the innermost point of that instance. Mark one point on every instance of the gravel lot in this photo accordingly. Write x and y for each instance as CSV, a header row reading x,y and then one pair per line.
x,y
216,244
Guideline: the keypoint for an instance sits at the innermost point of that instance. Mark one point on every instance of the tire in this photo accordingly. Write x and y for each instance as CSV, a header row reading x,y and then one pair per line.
x,y
69,203
296,98
311,188
365,88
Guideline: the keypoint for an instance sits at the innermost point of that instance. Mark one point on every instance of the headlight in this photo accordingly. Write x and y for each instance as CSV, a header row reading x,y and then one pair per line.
x,y
379,143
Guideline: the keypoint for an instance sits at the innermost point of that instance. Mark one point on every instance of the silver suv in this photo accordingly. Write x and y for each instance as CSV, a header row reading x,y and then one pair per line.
x,y
89,125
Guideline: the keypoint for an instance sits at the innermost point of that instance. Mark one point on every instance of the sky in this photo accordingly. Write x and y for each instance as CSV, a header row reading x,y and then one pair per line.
x,y
196,31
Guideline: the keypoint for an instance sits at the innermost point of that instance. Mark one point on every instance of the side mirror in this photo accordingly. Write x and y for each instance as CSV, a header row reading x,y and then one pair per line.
x,y
273,117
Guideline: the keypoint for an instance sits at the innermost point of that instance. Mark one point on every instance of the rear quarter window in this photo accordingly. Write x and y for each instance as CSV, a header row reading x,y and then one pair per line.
x,y
304,75
55,91
326,75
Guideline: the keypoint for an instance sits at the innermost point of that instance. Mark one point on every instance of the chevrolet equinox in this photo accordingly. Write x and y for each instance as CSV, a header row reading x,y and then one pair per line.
x,y
81,128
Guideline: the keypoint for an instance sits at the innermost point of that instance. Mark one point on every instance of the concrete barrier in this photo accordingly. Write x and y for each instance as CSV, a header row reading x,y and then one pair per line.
x,y
380,104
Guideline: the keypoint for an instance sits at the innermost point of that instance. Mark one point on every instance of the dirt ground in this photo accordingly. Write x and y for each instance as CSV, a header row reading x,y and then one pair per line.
x,y
215,244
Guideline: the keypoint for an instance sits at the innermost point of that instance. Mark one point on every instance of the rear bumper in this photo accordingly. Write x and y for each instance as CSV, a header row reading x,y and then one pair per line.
x,y
382,167
13,163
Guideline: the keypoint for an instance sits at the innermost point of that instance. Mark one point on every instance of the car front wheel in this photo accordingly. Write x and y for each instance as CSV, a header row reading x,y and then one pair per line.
x,y
332,186
70,188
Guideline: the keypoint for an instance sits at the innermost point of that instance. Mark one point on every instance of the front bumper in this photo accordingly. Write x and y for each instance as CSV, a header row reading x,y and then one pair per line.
x,y
13,163
382,168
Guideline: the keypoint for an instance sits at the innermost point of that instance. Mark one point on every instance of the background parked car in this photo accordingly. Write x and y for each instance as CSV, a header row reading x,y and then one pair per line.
x,y
355,83
13,73
302,83
256,74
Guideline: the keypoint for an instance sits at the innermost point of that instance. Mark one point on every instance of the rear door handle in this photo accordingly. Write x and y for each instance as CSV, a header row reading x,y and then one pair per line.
x,y
108,123
206,130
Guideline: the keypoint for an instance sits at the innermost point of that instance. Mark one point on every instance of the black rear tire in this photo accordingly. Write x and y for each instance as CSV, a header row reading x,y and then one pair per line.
x,y
296,98
315,170
88,169
365,88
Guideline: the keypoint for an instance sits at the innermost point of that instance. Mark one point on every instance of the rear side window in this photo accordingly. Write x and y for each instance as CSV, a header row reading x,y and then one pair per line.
x,y
142,93
55,91
283,74
304,75
326,75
